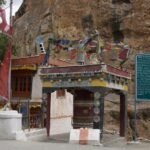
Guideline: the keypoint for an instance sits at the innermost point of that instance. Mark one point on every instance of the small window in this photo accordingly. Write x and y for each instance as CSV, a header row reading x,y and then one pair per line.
x,y
21,85
60,93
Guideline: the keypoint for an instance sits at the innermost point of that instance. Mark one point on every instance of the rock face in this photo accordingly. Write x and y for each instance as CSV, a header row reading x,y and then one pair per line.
x,y
112,115
125,21
67,19
116,20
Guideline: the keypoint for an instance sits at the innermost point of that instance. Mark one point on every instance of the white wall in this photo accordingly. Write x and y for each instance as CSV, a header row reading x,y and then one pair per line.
x,y
61,108
36,89
61,114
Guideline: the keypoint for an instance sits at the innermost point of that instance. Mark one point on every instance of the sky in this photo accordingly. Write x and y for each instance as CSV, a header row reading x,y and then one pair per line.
x,y
16,5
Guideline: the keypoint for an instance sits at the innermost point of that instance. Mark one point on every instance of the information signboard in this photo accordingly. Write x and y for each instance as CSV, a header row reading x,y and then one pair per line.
x,y
142,77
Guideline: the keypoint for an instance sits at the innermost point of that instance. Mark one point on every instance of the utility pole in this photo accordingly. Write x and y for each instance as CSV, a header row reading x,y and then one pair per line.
x,y
10,20
9,80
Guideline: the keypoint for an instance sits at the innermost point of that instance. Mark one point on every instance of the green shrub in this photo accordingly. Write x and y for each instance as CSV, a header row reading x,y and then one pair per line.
x,y
3,45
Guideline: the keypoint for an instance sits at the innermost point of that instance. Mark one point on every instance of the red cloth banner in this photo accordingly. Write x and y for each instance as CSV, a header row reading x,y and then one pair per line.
x,y
123,55
4,74
5,65
4,27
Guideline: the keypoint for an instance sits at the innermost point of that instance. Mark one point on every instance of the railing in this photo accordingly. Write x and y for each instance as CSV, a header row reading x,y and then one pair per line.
x,y
32,121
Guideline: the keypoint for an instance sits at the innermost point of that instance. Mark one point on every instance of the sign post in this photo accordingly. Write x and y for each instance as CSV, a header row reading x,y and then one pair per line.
x,y
142,77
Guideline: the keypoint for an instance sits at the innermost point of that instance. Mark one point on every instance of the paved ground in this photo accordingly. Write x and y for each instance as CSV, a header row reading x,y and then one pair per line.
x,y
39,141
60,142
33,145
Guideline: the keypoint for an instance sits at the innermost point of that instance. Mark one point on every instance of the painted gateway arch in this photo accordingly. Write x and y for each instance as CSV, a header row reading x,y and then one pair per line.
x,y
89,84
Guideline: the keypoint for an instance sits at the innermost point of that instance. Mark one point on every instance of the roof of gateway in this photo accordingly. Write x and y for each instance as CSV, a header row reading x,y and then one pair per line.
x,y
38,60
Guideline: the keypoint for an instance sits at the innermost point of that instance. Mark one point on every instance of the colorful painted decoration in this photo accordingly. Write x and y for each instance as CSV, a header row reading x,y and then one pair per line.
x,y
97,95
39,39
123,55
93,47
96,103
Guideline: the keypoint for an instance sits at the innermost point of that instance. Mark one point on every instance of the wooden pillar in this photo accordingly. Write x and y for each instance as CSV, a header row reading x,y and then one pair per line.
x,y
101,116
96,109
99,104
83,109
48,114
123,115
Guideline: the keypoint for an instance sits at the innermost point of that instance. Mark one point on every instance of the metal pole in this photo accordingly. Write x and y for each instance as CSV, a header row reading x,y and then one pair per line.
x,y
10,20
9,80
101,116
48,114
135,131
123,114
29,115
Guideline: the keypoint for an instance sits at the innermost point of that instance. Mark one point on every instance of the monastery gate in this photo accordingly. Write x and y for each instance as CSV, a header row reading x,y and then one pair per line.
x,y
89,84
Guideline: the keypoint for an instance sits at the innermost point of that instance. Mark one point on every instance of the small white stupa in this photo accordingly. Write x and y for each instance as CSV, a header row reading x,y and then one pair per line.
x,y
11,124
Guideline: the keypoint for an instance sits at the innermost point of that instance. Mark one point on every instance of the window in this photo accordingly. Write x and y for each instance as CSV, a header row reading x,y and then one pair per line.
x,y
21,86
60,93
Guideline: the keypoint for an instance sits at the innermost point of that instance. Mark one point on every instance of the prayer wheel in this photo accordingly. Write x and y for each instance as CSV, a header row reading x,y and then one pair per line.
x,y
83,110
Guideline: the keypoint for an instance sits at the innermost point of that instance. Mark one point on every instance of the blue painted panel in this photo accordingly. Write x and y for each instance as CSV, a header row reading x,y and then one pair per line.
x,y
143,77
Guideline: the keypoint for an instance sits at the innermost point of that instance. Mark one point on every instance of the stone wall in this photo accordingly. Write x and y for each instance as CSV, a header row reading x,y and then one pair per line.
x,y
60,120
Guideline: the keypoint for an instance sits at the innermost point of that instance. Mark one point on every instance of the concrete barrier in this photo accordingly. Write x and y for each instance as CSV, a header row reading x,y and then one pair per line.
x,y
85,136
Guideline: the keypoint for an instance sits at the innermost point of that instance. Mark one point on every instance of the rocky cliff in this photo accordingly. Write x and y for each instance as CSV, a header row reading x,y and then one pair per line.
x,y
117,21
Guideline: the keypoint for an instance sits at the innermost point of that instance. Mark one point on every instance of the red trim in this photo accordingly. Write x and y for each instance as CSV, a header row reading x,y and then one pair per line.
x,y
35,60
66,66
60,93
83,137
119,72
86,69
72,69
